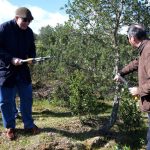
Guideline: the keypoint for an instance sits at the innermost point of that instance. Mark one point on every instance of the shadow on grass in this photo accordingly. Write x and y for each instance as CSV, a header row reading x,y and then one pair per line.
x,y
46,113
81,136
134,140
102,108
77,136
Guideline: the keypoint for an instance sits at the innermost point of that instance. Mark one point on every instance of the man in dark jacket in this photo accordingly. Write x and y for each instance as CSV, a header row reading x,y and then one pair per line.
x,y
137,37
16,43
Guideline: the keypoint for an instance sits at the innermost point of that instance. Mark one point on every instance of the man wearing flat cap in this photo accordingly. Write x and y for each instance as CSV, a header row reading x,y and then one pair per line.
x,y
16,43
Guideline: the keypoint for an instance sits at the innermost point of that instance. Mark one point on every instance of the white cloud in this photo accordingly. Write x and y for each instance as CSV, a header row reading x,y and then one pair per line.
x,y
7,10
42,17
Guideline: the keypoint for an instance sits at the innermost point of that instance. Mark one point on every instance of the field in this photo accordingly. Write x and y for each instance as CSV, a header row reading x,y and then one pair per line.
x,y
60,130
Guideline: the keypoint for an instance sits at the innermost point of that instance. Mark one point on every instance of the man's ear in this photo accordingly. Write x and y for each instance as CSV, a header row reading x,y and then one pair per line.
x,y
136,40
16,17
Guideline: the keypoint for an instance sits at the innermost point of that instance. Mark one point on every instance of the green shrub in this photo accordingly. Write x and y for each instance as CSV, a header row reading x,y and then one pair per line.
x,y
118,147
129,114
82,99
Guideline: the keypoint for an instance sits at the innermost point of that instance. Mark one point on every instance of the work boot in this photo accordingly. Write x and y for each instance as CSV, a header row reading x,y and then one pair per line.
x,y
34,130
10,133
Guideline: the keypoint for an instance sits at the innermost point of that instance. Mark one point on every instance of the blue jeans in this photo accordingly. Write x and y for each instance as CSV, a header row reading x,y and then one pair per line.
x,y
16,110
7,105
15,106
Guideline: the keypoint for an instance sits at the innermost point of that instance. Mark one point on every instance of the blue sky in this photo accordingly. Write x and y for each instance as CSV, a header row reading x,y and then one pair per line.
x,y
45,12
49,5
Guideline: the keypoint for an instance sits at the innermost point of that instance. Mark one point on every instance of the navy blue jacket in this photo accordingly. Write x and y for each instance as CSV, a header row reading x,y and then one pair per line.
x,y
15,42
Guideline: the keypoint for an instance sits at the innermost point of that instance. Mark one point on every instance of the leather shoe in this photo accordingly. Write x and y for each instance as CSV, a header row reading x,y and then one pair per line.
x,y
34,130
10,133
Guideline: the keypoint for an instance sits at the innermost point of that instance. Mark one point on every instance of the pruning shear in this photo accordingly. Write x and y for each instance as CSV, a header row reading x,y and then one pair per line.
x,y
34,60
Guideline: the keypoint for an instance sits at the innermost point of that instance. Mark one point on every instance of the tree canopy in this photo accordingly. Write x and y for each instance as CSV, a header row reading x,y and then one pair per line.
x,y
88,51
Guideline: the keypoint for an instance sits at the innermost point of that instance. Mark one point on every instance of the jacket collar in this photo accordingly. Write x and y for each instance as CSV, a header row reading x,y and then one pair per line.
x,y
141,47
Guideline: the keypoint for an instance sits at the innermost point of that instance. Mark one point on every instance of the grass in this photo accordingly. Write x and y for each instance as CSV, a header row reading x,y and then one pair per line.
x,y
61,130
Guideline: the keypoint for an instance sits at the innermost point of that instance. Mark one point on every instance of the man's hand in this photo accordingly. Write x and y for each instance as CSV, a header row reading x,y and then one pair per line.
x,y
16,61
117,78
134,91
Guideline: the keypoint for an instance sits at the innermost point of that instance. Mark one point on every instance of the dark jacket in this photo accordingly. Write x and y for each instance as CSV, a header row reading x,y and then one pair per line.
x,y
15,42
142,64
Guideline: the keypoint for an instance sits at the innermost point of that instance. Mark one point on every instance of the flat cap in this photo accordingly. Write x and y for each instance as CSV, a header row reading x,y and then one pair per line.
x,y
24,12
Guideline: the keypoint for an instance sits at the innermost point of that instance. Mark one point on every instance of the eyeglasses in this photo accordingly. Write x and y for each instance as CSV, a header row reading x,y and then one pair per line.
x,y
127,38
26,20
